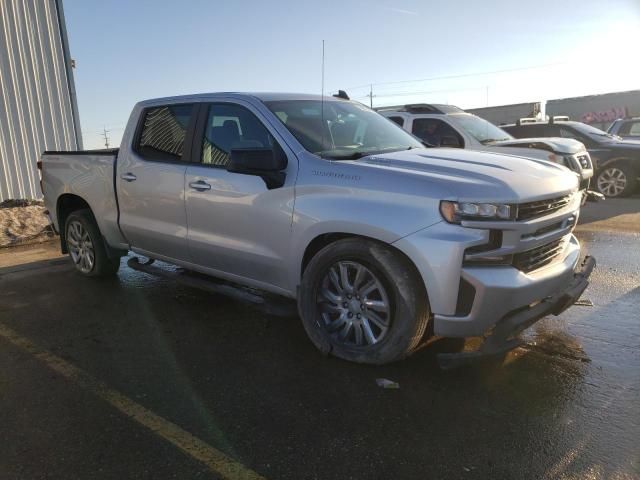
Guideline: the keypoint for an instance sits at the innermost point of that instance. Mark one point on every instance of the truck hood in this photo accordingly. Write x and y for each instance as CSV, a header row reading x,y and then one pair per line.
x,y
478,176
552,144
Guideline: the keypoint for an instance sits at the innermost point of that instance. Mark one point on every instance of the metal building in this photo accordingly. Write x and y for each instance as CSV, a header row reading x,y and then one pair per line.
x,y
507,113
597,110
38,107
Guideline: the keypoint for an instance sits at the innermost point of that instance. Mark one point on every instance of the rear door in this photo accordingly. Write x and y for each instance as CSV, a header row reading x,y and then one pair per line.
x,y
237,226
150,181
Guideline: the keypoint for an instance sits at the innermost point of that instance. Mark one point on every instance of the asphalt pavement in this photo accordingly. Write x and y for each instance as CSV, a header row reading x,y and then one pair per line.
x,y
136,377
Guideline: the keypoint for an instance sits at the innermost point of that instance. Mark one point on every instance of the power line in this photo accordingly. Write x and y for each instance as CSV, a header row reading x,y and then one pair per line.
x,y
408,93
462,75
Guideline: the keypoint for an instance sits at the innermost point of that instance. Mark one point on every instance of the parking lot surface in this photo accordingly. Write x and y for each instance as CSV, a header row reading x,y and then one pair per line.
x,y
136,377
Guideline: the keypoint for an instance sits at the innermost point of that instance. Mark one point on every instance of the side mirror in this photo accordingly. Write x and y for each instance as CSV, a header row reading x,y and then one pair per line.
x,y
263,162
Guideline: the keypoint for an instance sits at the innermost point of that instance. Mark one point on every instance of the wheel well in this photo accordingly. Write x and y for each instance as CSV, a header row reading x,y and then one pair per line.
x,y
67,204
617,161
318,244
325,239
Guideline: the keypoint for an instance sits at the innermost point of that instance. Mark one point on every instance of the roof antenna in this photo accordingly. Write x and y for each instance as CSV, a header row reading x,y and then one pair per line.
x,y
322,102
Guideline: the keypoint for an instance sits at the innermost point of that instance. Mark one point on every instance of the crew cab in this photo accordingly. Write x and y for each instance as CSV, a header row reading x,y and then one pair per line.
x,y
322,200
450,126
617,161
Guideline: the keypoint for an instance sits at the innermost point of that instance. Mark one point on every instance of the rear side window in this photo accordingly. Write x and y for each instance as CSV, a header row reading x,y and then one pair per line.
x,y
398,120
163,133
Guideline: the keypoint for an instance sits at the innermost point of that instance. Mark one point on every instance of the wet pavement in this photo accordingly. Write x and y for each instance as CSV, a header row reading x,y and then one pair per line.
x,y
566,405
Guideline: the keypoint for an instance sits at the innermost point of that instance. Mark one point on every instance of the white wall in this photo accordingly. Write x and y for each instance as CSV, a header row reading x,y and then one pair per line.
x,y
37,97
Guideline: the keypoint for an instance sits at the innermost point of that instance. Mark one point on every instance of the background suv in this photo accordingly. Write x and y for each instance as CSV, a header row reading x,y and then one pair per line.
x,y
616,161
450,126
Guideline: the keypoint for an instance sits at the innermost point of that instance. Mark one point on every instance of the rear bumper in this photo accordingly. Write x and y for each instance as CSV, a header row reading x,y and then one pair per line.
x,y
502,290
502,337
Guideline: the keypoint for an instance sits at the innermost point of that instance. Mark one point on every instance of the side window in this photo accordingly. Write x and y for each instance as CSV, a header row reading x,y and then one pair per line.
x,y
231,126
398,120
565,133
437,133
163,132
635,129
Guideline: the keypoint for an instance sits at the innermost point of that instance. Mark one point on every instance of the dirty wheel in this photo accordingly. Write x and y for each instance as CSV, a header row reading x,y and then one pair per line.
x,y
85,246
616,181
363,301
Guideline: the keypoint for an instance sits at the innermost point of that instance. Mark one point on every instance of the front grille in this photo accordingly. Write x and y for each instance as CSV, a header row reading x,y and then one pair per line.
x,y
584,161
538,257
541,208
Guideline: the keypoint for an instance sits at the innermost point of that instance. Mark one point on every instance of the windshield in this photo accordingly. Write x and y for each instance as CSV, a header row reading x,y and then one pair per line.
x,y
483,131
592,132
346,130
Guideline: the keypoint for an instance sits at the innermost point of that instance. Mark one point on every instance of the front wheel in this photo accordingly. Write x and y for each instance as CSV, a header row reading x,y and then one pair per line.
x,y
364,302
85,246
617,180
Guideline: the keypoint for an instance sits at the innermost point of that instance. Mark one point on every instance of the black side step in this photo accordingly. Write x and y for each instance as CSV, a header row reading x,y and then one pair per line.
x,y
269,304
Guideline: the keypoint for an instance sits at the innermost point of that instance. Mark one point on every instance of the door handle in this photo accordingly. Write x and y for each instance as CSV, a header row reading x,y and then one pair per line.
x,y
200,185
129,177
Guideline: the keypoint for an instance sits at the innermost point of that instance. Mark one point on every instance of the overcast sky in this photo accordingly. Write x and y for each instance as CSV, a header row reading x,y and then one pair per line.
x,y
494,51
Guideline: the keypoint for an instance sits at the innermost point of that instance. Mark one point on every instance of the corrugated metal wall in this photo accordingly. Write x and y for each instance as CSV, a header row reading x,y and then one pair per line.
x,y
507,113
37,96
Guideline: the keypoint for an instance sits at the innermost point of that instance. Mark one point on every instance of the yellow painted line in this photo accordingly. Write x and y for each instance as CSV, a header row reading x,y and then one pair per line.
x,y
217,461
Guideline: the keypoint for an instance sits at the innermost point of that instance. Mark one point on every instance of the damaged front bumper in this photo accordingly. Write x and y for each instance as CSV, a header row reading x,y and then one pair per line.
x,y
503,336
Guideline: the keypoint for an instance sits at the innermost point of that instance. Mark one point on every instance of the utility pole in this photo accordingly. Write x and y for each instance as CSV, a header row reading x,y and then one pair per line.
x,y
106,136
371,95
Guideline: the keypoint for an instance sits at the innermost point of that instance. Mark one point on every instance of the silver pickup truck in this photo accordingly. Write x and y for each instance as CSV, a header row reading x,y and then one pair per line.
x,y
382,242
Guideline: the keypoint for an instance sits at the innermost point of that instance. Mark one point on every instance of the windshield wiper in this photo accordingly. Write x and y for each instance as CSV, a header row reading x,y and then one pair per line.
x,y
493,140
360,154
351,156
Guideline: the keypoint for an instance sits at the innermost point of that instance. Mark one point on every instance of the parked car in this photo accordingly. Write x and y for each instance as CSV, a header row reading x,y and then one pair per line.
x,y
450,126
324,201
626,128
616,161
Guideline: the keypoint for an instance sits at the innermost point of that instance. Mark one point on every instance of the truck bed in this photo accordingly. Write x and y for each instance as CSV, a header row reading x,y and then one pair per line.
x,y
85,175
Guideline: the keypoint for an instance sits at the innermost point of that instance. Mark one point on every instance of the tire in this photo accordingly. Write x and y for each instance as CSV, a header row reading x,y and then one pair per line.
x,y
86,247
617,180
325,309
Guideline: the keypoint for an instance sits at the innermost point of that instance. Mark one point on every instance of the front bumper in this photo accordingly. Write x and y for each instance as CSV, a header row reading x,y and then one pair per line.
x,y
501,290
502,337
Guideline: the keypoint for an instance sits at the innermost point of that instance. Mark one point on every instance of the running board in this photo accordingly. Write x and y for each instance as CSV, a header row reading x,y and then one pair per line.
x,y
277,306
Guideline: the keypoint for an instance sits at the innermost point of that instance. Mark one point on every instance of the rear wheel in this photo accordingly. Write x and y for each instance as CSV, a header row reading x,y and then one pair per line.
x,y
617,180
364,302
86,247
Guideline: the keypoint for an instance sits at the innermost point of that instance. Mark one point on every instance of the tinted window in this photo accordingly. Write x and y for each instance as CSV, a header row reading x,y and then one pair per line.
x,y
163,132
565,132
231,126
398,120
629,128
436,132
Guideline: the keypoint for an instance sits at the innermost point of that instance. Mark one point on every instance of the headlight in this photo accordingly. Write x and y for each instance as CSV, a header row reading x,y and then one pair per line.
x,y
454,212
557,159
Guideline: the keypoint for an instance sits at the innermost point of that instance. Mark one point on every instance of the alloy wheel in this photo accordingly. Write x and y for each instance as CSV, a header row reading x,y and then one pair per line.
x,y
612,182
354,305
80,247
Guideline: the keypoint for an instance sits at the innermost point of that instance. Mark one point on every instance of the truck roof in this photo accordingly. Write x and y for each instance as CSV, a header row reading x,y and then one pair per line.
x,y
263,96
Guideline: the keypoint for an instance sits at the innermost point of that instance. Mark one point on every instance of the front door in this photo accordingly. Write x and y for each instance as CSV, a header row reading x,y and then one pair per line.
x,y
150,182
237,226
